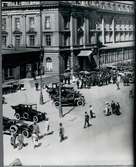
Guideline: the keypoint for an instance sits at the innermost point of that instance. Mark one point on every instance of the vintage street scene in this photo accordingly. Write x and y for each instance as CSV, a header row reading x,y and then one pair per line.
x,y
67,82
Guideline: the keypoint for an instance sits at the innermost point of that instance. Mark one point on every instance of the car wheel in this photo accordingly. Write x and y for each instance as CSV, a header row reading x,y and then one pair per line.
x,y
56,103
25,115
13,129
35,119
79,102
17,116
26,133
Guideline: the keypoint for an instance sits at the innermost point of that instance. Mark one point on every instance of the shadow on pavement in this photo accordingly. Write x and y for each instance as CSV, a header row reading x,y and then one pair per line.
x,y
69,111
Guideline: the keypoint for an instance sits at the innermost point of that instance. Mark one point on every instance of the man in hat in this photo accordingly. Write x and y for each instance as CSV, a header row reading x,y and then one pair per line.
x,y
61,132
86,123
20,139
92,114
113,106
13,139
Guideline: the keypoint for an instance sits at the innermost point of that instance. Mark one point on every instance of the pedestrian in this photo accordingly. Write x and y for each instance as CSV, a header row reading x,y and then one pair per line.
x,y
35,139
61,132
77,83
107,109
86,123
36,129
118,109
13,139
20,139
113,107
92,114
47,125
36,85
118,81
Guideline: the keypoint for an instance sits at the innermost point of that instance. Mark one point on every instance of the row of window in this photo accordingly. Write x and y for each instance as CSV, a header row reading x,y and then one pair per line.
x,y
100,4
32,40
17,23
107,5
118,55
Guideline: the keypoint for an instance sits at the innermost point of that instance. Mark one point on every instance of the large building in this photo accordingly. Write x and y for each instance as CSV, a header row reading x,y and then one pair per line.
x,y
68,32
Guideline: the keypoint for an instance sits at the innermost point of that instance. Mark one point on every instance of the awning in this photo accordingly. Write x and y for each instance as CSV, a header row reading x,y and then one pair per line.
x,y
85,53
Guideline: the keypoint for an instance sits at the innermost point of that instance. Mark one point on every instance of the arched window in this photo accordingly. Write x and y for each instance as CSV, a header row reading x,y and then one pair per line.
x,y
48,64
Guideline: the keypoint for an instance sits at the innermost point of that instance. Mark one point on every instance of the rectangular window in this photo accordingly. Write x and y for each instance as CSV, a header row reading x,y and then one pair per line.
x,y
66,22
3,23
16,3
66,40
31,22
8,72
47,22
17,40
4,41
48,39
32,40
4,4
17,23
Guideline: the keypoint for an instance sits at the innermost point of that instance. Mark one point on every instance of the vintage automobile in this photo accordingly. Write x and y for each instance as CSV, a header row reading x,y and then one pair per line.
x,y
28,112
16,126
71,99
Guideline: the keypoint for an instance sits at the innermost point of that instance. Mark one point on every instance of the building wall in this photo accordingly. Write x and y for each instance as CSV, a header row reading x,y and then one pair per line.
x,y
109,22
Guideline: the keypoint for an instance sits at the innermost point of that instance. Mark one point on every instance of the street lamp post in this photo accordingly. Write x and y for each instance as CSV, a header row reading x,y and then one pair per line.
x,y
60,102
41,56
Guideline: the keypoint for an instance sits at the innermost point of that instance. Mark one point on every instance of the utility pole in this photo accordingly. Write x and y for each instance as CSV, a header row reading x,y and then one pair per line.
x,y
41,56
1,114
60,84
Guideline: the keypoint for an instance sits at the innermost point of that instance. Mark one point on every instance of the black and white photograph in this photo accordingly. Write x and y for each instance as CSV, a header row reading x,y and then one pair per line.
x,y
67,73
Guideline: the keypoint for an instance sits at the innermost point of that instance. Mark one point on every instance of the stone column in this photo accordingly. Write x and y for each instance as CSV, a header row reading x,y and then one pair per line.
x,y
24,29
84,31
113,29
103,34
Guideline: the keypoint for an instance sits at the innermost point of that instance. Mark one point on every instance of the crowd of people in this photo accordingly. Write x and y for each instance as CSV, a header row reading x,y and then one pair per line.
x,y
17,139
110,108
100,78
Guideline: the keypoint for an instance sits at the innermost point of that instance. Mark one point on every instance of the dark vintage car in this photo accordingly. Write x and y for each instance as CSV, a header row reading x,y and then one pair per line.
x,y
28,112
16,126
71,99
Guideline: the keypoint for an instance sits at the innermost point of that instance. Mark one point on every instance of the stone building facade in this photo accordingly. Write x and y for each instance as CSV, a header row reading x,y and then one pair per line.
x,y
69,31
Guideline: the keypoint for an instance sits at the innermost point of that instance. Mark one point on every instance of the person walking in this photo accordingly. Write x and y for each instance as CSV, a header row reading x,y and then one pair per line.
x,y
61,132
47,126
77,83
13,139
86,123
20,139
36,129
113,107
107,109
118,81
118,109
92,114
36,85
35,139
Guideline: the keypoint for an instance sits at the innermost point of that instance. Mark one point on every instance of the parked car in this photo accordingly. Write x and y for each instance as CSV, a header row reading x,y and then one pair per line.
x,y
28,112
16,126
